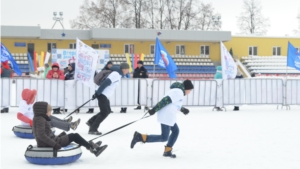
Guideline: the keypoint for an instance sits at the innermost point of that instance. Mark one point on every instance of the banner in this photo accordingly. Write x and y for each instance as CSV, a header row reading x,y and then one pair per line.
x,y
229,67
86,63
6,56
47,57
66,56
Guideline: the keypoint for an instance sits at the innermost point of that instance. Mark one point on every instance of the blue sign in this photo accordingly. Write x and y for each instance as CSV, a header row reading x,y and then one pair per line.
x,y
20,44
105,45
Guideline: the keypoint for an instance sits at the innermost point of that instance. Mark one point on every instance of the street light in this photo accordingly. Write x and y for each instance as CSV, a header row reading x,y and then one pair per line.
x,y
58,19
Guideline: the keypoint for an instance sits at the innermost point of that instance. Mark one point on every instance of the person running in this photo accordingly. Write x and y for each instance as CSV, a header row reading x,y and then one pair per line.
x,y
167,110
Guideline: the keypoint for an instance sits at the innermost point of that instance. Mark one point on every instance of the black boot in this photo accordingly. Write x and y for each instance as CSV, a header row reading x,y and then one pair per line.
x,y
236,108
168,152
90,111
138,108
94,132
91,121
98,151
4,110
138,137
125,109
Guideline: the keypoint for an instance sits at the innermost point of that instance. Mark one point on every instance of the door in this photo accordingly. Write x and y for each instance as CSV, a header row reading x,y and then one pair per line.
x,y
30,49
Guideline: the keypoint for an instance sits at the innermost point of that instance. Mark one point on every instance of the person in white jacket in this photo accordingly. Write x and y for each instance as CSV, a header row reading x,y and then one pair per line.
x,y
167,110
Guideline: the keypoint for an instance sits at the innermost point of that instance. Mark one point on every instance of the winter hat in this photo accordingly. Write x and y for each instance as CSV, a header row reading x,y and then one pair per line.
x,y
124,66
28,95
188,85
72,65
141,62
41,109
47,65
109,63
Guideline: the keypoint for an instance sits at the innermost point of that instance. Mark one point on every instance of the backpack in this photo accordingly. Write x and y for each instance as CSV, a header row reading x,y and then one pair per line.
x,y
101,76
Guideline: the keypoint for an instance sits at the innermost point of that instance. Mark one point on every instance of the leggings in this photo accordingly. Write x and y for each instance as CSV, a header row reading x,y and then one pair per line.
x,y
79,140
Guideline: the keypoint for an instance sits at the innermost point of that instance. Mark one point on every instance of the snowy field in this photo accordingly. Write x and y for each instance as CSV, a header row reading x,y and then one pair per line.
x,y
256,137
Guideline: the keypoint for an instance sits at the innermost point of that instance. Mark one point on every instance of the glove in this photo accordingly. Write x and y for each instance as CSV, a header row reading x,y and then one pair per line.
x,y
185,111
57,146
94,96
151,112
62,134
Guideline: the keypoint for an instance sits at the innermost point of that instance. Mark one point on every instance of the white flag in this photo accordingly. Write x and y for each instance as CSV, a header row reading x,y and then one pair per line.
x,y
85,63
229,67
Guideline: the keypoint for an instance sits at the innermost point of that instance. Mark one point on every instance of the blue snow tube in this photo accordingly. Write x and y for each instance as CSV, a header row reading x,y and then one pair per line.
x,y
25,131
49,156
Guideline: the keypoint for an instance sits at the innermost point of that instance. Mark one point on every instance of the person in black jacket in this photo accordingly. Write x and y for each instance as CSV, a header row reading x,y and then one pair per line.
x,y
140,72
108,65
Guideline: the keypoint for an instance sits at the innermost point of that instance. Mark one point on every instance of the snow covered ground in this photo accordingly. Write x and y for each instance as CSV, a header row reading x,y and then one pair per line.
x,y
257,137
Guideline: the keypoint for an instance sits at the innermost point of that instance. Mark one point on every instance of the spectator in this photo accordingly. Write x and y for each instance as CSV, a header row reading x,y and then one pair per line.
x,y
218,75
70,76
239,75
124,109
140,72
47,68
108,65
55,73
6,72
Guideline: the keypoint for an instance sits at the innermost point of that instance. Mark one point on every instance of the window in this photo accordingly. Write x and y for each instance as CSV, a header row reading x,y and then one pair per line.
x,y
180,50
95,46
152,49
72,46
129,48
205,50
51,46
253,51
276,51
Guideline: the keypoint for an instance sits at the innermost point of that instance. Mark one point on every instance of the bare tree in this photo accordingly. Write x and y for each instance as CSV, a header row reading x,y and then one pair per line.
x,y
203,20
106,13
251,20
137,9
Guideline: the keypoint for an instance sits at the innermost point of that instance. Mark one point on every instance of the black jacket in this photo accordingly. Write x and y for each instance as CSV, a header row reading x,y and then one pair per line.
x,y
140,72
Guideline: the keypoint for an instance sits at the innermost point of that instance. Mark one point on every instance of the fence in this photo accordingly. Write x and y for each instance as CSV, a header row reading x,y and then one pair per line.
x,y
71,94
292,92
204,93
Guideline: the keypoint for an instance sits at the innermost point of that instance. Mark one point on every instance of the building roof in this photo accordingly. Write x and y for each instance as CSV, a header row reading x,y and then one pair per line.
x,y
114,34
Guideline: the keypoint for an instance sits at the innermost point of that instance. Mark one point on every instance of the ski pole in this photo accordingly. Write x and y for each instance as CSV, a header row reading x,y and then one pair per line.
x,y
78,108
121,127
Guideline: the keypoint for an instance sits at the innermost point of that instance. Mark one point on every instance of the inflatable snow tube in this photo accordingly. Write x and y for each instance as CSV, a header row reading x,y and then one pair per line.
x,y
47,156
25,131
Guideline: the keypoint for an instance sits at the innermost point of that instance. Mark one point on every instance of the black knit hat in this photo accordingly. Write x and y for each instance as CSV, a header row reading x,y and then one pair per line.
x,y
141,62
109,62
188,85
124,66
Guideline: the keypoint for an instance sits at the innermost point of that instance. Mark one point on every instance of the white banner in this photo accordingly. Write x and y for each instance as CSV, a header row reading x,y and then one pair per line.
x,y
229,67
86,63
66,56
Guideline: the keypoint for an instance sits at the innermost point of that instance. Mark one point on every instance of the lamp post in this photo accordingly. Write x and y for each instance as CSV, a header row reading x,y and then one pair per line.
x,y
216,20
58,19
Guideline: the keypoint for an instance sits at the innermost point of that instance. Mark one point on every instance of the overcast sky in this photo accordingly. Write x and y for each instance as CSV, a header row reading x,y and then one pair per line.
x,y
282,13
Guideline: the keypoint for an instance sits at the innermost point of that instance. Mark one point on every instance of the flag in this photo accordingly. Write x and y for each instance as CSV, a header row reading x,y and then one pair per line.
x,y
6,56
164,60
42,59
142,57
47,57
30,62
136,59
293,57
229,67
128,61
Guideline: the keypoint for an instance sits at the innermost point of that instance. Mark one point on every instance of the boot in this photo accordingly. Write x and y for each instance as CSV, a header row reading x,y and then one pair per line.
x,y
236,108
75,124
168,152
4,110
138,137
138,108
69,120
90,121
90,111
95,132
125,109
56,111
97,151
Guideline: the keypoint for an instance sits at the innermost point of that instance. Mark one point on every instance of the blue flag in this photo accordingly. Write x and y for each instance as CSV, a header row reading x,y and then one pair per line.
x,y
164,60
293,57
5,55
